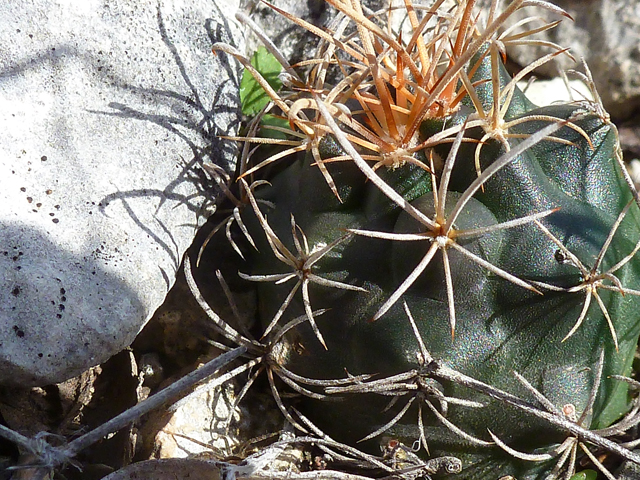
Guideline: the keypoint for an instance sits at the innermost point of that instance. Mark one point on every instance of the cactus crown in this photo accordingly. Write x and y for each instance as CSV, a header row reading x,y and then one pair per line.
x,y
455,248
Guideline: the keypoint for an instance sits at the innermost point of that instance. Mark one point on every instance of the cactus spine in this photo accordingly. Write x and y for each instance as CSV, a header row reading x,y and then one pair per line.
x,y
428,227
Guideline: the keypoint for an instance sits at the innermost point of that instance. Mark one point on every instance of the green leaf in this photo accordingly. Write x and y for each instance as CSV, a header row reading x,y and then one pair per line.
x,y
585,475
273,121
253,98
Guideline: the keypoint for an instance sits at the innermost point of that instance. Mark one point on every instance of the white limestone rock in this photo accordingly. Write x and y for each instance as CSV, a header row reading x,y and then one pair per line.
x,y
202,420
554,90
606,33
169,469
634,170
107,112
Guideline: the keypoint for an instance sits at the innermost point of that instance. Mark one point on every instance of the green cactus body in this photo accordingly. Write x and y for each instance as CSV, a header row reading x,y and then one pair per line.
x,y
490,236
501,327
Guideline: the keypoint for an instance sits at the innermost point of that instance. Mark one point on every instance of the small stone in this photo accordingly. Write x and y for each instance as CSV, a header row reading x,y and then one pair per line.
x,y
628,470
202,420
634,170
169,469
547,92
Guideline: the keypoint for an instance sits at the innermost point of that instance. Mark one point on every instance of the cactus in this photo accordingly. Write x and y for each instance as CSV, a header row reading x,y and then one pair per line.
x,y
466,257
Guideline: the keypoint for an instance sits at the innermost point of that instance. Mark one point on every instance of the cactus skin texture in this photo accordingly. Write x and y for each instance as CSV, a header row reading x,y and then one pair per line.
x,y
500,327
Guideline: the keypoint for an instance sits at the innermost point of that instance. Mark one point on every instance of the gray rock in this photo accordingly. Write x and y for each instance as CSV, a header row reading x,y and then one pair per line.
x,y
547,92
628,470
607,34
107,112
293,41
169,469
202,419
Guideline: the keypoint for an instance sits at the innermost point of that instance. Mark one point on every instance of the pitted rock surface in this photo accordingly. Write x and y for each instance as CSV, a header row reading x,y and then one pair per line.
x,y
107,112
